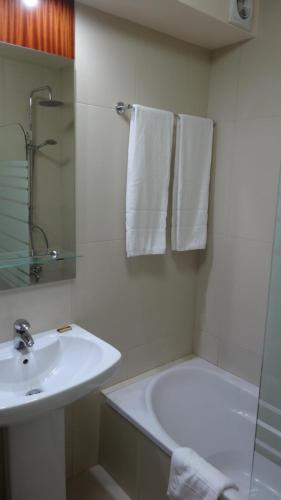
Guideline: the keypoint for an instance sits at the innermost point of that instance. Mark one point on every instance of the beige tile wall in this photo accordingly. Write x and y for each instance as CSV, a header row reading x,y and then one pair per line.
x,y
245,99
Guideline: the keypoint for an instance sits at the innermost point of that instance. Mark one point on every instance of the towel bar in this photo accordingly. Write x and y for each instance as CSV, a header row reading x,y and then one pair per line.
x,y
121,109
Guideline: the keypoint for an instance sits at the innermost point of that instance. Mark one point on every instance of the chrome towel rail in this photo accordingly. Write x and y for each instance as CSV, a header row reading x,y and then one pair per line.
x,y
121,108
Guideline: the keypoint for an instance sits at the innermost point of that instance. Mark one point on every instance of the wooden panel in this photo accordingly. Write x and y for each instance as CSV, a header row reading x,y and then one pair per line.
x,y
48,27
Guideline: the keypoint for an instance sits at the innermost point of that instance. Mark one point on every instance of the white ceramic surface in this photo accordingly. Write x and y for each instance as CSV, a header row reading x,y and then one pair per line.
x,y
210,411
64,367
198,405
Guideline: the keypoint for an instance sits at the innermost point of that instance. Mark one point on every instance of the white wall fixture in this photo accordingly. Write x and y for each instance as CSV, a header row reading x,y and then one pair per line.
x,y
241,13
36,384
182,19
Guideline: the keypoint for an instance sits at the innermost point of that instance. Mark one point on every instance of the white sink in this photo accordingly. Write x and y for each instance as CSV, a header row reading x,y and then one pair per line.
x,y
34,387
59,368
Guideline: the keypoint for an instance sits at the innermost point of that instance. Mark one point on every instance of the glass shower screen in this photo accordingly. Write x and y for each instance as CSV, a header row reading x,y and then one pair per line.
x,y
266,476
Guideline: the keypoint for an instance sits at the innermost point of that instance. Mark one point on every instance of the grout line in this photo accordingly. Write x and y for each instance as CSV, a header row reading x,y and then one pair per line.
x,y
90,242
98,106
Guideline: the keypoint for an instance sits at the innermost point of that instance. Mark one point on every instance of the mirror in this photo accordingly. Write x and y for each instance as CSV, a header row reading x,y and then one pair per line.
x,y
37,171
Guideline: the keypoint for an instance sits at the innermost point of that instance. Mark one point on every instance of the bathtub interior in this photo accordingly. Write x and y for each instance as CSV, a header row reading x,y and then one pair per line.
x,y
196,404
209,412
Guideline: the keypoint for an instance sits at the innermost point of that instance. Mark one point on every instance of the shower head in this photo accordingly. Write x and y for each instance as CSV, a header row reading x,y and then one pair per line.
x,y
51,103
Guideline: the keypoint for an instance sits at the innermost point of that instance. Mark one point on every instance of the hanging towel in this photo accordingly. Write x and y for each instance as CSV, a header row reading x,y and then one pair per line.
x,y
149,158
191,182
192,478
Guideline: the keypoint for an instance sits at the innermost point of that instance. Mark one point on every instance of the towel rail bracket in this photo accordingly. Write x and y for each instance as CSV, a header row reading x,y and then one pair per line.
x,y
121,107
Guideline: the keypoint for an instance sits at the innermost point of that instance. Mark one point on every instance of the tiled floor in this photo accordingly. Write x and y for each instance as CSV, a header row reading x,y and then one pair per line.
x,y
94,484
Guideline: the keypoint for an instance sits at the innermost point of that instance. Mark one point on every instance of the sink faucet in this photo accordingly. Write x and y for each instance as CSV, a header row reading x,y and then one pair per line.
x,y
22,335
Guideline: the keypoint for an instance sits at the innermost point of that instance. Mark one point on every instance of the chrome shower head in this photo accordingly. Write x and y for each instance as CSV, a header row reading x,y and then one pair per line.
x,y
51,103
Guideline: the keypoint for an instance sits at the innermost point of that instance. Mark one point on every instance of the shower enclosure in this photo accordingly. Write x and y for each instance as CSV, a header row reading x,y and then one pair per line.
x,y
266,473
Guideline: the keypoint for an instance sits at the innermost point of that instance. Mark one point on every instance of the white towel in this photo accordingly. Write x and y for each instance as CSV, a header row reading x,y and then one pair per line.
x,y
191,182
149,158
192,478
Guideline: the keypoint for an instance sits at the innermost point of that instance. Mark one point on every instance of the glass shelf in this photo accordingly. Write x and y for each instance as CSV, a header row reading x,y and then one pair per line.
x,y
19,259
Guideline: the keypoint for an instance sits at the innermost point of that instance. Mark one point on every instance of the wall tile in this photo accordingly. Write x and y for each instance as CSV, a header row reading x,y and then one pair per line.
x,y
46,307
259,93
102,142
270,19
206,346
233,275
222,165
254,178
85,432
224,83
105,58
159,352
241,362
247,292
212,287
148,298
153,471
166,285
118,449
106,299
182,69
232,297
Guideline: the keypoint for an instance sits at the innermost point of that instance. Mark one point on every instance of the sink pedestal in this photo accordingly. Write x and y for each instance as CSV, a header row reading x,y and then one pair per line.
x,y
36,458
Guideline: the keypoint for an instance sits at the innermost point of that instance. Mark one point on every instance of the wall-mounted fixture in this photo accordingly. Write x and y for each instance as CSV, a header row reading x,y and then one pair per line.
x,y
241,13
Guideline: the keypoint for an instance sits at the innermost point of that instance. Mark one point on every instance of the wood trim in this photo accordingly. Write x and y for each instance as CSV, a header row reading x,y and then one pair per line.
x,y
48,27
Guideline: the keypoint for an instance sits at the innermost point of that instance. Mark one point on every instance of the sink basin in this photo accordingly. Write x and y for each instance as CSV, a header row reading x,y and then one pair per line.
x,y
59,369
34,388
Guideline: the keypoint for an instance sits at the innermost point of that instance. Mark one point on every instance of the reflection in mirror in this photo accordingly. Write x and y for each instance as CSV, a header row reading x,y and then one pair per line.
x,y
37,206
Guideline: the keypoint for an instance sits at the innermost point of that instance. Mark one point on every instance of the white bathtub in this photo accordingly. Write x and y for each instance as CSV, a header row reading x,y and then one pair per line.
x,y
195,404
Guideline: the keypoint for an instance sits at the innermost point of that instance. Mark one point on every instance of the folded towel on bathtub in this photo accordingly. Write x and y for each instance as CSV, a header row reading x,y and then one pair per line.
x,y
192,478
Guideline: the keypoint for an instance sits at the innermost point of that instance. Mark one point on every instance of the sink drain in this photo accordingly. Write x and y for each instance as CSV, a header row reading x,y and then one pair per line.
x,y
33,391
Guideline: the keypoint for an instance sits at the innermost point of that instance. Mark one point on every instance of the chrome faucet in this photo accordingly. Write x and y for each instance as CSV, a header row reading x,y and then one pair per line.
x,y
22,335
